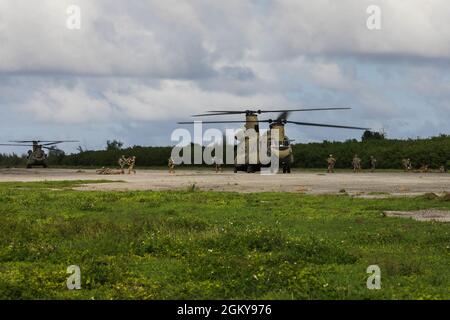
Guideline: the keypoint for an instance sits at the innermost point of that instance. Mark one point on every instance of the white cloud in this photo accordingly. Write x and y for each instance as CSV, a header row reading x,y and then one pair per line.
x,y
178,99
66,105
153,60
187,39
414,28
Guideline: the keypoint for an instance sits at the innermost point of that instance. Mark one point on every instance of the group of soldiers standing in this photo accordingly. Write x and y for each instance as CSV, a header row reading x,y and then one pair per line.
x,y
130,162
331,161
123,161
357,166
356,163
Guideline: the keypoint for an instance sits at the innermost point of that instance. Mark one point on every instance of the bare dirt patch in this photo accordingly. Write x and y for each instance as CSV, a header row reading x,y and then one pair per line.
x,y
376,185
421,215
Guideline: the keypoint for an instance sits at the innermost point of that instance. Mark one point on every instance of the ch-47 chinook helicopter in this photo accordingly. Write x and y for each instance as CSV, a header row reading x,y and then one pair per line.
x,y
37,156
284,150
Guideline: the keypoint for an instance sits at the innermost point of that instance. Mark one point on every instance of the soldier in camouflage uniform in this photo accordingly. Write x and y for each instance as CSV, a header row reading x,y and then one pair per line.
x,y
171,165
105,171
406,165
131,163
101,171
356,164
331,163
122,162
373,163
217,165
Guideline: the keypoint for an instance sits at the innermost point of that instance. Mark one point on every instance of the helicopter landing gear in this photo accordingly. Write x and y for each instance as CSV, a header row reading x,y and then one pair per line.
x,y
286,168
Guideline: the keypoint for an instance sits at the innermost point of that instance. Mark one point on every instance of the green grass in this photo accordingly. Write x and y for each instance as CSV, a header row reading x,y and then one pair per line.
x,y
210,245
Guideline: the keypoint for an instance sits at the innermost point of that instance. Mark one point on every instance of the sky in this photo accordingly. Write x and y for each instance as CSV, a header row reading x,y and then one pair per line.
x,y
134,68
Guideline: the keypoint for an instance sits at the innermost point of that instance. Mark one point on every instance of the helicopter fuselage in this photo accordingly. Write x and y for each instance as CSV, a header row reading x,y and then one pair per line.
x,y
283,151
37,157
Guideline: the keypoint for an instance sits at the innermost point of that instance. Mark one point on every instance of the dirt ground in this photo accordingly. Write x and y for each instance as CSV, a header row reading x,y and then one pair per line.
x,y
379,184
421,215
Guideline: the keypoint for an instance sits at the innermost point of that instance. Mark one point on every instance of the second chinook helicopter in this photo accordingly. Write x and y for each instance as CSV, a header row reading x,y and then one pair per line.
x,y
37,156
284,151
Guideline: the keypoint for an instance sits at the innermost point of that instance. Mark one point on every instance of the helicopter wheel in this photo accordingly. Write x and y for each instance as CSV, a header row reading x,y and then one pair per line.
x,y
288,168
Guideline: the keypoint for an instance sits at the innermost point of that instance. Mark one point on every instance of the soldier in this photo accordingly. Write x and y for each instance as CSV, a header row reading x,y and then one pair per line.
x,y
105,171
356,164
217,165
406,165
331,162
122,162
101,171
373,163
171,165
131,163
409,164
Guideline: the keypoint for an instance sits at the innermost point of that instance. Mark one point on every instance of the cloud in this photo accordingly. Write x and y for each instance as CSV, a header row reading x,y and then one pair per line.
x,y
410,29
66,105
136,62
177,39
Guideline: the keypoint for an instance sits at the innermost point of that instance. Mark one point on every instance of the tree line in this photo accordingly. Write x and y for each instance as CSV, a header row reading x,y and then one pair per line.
x,y
434,152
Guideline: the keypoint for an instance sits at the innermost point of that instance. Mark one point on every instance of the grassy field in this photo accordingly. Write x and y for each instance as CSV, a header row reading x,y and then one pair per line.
x,y
207,245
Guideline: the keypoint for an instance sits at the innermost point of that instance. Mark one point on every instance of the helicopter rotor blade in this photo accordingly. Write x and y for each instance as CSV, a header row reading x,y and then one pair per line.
x,y
325,125
306,109
281,121
52,149
218,113
46,141
16,145
234,112
57,142
51,143
237,121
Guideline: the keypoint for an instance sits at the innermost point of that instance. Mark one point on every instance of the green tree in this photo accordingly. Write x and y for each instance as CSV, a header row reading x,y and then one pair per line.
x,y
113,145
373,135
